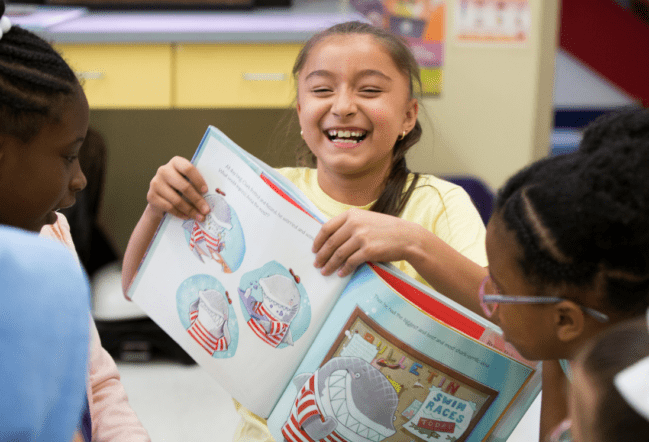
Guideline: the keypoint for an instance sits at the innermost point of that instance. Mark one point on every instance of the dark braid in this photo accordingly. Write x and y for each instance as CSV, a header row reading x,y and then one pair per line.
x,y
583,218
34,79
393,199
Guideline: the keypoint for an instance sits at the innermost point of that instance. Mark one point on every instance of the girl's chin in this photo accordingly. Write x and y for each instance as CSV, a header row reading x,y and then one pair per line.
x,y
51,218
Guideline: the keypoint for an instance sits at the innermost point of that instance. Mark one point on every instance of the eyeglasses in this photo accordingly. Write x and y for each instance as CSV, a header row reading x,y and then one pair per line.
x,y
489,302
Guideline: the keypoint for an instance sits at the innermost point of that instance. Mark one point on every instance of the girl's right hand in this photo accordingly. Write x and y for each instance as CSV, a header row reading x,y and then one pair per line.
x,y
177,188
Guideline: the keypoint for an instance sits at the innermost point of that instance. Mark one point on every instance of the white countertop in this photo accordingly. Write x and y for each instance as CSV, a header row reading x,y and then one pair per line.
x,y
294,24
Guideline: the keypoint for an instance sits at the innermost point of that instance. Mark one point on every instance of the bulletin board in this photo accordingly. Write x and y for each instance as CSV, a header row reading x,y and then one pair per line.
x,y
417,379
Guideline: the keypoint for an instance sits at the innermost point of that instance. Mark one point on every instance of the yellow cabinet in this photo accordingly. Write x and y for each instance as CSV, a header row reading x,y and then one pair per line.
x,y
122,75
234,75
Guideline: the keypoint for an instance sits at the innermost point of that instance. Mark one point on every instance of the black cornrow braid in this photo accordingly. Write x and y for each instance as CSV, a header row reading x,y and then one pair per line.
x,y
34,79
35,56
589,224
538,263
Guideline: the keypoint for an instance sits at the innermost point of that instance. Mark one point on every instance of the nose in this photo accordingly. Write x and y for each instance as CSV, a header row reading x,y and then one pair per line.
x,y
344,104
79,181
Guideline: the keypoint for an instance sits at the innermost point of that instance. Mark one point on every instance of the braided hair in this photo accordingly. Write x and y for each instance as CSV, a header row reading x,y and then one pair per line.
x,y
583,218
34,79
393,199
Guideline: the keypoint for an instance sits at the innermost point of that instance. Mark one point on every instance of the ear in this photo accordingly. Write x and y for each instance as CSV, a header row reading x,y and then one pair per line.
x,y
569,321
412,111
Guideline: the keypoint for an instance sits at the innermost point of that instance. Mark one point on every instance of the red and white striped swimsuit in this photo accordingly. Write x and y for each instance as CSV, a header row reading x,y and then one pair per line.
x,y
199,234
207,340
278,329
304,407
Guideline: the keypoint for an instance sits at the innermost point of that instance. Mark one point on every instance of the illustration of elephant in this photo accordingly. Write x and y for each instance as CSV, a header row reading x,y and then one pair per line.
x,y
347,399
207,237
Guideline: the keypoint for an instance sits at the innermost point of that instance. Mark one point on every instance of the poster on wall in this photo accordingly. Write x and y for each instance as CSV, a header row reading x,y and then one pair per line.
x,y
493,22
421,24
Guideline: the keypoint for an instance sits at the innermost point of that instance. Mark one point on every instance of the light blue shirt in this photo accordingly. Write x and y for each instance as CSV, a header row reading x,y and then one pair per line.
x,y
44,338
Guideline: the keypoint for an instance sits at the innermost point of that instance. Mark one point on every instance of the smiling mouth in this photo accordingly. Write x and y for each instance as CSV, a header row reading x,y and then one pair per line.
x,y
337,384
346,136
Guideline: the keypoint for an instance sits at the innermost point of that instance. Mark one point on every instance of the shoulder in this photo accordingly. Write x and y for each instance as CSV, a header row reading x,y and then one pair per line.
x,y
298,174
28,250
60,231
433,190
305,179
46,304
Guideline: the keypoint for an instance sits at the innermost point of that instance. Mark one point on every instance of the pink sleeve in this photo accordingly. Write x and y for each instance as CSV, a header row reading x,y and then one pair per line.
x,y
113,419
60,231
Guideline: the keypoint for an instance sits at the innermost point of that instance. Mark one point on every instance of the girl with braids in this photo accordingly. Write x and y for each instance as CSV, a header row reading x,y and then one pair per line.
x,y
568,249
43,122
357,109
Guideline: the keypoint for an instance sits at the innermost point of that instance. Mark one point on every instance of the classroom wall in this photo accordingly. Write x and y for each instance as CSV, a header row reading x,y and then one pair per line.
x,y
496,111
493,117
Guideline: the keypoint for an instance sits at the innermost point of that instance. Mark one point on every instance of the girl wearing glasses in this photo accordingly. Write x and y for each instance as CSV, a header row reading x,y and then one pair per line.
x,y
568,250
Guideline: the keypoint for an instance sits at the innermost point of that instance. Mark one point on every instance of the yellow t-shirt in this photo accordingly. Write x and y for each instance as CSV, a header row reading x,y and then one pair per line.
x,y
443,208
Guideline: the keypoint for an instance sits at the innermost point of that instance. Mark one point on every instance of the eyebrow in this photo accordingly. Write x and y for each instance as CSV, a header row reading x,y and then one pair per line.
x,y
363,73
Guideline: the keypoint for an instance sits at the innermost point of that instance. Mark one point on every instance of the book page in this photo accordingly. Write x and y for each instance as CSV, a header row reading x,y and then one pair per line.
x,y
384,369
239,291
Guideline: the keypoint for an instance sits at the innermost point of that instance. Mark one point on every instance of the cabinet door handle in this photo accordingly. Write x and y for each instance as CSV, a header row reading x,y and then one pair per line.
x,y
264,76
89,75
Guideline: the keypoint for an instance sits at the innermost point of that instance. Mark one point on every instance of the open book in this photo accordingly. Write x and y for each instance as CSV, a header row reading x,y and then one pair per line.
x,y
375,356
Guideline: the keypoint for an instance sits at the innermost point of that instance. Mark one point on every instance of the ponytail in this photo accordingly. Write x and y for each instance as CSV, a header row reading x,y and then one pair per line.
x,y
393,199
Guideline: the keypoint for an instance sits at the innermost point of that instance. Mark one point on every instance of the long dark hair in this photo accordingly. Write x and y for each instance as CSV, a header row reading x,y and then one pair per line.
x,y
393,198
34,79
583,218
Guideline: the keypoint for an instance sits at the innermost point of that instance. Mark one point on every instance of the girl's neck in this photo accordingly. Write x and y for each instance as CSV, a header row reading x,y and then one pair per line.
x,y
354,190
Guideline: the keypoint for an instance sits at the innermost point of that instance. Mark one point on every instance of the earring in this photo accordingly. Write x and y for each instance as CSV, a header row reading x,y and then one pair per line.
x,y
302,134
402,136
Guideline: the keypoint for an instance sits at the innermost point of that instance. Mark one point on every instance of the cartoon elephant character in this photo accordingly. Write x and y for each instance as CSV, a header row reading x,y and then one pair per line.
x,y
347,399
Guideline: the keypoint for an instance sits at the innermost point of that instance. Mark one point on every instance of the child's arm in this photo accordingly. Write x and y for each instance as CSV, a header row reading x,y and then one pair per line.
x,y
357,236
176,188
112,417
554,398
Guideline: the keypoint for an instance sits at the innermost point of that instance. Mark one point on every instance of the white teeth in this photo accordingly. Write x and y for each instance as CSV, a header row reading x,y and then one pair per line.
x,y
343,134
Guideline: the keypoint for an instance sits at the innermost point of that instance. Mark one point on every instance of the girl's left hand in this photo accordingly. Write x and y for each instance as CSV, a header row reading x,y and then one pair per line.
x,y
357,236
